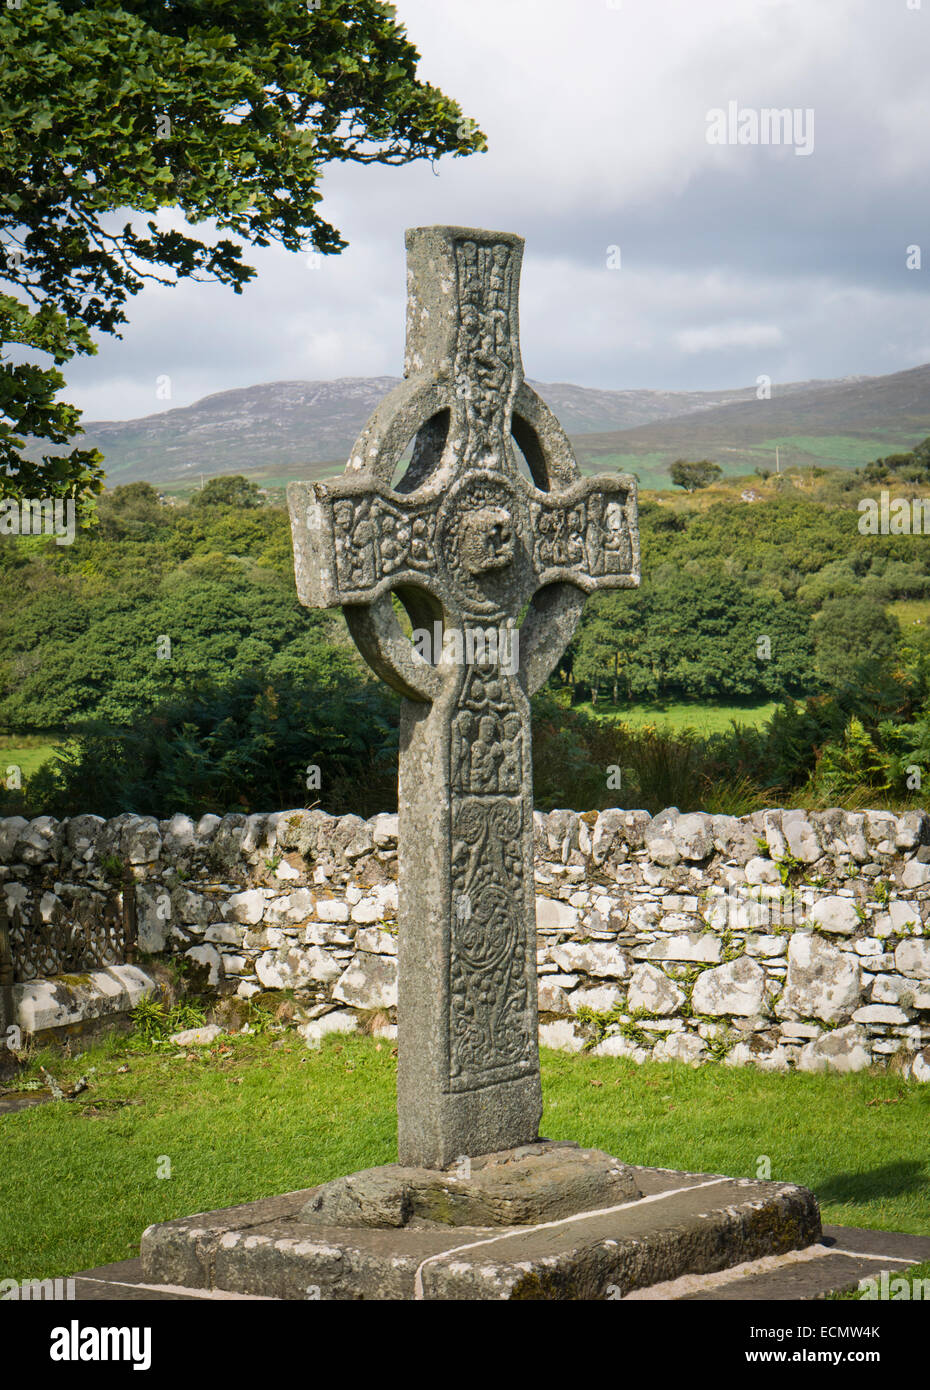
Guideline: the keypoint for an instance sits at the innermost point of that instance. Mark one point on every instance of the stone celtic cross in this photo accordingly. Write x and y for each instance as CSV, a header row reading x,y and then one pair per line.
x,y
470,545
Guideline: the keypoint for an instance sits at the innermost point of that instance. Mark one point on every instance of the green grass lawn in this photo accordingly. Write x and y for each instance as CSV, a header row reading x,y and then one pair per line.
x,y
253,1116
704,718
28,752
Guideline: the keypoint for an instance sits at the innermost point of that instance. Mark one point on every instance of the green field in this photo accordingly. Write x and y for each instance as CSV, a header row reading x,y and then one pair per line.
x,y
252,1116
834,450
704,719
650,469
911,612
27,752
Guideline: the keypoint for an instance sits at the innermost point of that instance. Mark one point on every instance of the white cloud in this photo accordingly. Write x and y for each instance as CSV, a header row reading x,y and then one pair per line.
x,y
596,118
717,336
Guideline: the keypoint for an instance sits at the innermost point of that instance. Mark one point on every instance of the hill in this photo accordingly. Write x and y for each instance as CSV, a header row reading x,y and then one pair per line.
x,y
291,429
828,424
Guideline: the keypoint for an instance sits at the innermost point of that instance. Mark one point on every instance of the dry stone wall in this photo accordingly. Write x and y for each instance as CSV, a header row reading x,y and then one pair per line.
x,y
783,939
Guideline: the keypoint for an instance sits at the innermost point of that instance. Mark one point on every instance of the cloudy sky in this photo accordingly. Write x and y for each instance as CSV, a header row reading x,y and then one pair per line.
x,y
735,259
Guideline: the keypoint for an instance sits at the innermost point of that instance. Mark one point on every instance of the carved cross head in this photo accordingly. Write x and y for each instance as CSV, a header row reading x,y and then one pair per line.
x,y
466,537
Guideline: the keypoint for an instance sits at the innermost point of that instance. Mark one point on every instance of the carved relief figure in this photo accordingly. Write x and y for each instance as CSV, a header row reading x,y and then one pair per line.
x,y
487,743
484,359
374,539
492,1021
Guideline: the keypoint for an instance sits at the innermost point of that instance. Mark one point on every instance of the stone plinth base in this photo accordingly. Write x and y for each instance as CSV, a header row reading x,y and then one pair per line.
x,y
518,1187
681,1223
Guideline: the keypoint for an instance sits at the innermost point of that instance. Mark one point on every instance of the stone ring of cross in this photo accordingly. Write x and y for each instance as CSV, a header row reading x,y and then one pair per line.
x,y
465,538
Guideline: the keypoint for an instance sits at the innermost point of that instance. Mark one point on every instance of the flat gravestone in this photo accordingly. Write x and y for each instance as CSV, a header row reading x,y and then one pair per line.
x,y
470,545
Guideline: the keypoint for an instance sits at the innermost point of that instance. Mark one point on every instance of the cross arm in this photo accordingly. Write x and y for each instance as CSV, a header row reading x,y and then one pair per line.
x,y
585,538
587,534
354,541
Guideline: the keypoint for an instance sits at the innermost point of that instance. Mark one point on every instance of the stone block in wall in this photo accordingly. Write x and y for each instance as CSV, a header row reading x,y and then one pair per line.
x,y
226,842
899,917
552,914
843,1050
734,839
297,967
303,831
257,835
248,906
332,910
289,909
191,908
154,918
561,1035
553,993
802,1031
912,830
660,841
824,981
778,1059
913,958
801,837
178,835
837,915
680,1047
325,934
223,934
915,874
767,947
369,982
205,829
598,958
141,841
881,1013
210,960
337,1021
772,834
761,870
600,998
700,947
616,1045
607,828
693,836
894,989
881,829
81,835
562,833
736,987
349,838
384,831
11,829
366,910
376,941
40,841
651,989
852,824
286,872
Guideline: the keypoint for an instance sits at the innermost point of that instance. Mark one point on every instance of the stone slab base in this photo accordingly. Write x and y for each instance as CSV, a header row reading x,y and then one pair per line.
x,y
683,1223
516,1187
843,1257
